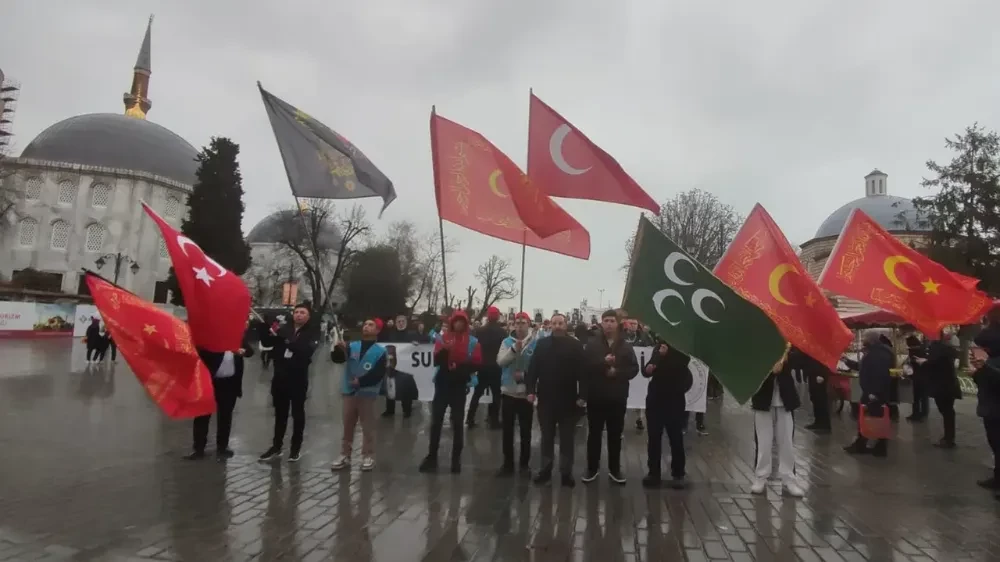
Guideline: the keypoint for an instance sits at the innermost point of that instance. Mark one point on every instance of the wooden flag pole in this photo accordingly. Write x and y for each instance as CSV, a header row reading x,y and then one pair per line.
x,y
444,266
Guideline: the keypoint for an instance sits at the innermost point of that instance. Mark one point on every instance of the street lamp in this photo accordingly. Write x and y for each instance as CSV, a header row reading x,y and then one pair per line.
x,y
601,303
118,259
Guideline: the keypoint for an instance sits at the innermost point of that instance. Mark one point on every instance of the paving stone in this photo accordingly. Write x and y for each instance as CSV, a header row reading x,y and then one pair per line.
x,y
93,471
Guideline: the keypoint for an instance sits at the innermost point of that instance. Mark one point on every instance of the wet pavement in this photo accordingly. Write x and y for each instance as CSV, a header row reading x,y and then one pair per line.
x,y
91,471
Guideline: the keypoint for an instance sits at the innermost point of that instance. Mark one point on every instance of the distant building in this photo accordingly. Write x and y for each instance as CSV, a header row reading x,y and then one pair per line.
x,y
896,214
82,179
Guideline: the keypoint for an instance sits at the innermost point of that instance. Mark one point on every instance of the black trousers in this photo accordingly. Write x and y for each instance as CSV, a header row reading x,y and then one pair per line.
x,y
93,351
489,379
448,399
520,412
992,426
390,407
601,416
921,401
265,357
226,392
820,398
552,421
289,396
660,420
699,419
947,408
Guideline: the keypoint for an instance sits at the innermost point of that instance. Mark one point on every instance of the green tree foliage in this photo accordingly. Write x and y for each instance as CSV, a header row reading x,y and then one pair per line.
x,y
962,214
374,284
215,216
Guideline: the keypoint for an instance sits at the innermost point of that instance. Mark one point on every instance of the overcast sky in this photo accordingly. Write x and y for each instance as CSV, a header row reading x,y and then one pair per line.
x,y
788,103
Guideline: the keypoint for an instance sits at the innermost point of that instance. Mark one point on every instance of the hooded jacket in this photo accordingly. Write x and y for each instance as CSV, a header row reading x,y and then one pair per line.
x,y
670,380
873,371
457,356
512,361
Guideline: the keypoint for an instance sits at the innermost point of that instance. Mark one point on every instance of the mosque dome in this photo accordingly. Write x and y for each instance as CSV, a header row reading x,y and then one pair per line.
x,y
891,212
117,141
272,228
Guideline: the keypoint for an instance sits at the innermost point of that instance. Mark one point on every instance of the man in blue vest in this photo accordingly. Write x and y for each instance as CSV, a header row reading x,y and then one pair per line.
x,y
365,368
514,357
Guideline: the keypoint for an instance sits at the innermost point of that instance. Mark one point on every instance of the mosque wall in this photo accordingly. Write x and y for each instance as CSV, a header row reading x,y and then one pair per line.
x,y
70,215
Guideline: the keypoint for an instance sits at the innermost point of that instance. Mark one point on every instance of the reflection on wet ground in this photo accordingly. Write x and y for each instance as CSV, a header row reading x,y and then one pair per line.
x,y
91,471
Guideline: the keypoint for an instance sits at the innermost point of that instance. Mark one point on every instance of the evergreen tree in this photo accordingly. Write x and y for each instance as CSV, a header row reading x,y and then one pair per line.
x,y
215,215
963,215
374,285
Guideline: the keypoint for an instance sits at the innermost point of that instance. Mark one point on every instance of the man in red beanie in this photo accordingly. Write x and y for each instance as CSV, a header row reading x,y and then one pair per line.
x,y
490,338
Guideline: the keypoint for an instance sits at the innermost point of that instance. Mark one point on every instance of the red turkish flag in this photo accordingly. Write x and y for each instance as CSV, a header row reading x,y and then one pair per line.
x,y
873,266
158,348
217,300
762,267
565,163
477,186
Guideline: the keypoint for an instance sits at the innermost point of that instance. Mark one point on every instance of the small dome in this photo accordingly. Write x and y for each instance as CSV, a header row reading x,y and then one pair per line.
x,y
115,141
272,228
889,211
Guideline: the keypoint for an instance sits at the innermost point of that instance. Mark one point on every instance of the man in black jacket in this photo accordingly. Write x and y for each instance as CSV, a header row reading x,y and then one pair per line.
x,y
670,379
555,379
490,337
401,334
875,381
611,366
917,359
293,352
943,385
817,375
227,383
987,379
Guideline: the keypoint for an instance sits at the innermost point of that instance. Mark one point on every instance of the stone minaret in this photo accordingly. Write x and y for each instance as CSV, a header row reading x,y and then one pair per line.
x,y
137,102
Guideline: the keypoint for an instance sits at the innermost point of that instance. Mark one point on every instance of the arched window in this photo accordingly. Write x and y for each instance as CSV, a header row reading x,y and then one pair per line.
x,y
96,235
60,235
67,192
100,195
172,208
27,232
33,189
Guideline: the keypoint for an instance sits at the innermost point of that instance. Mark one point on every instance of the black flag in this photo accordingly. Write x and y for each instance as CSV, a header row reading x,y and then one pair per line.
x,y
320,163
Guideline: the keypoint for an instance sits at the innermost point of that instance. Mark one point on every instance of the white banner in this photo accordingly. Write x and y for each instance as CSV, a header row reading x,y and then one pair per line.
x,y
417,360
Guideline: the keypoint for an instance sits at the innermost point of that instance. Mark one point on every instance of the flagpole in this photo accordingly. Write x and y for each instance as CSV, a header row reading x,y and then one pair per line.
x,y
444,266
524,248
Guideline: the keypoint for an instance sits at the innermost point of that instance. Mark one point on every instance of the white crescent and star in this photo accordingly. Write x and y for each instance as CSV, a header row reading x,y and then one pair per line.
x,y
697,297
200,273
555,151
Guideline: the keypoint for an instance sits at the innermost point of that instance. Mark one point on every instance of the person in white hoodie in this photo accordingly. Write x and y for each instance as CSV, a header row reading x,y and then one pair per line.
x,y
513,358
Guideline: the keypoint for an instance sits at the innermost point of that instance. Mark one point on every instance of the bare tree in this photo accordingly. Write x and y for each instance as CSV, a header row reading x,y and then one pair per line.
x,y
420,261
264,278
498,282
698,222
324,242
10,195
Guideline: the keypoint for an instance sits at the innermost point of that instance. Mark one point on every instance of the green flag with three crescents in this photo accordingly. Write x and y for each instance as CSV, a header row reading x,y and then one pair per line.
x,y
693,310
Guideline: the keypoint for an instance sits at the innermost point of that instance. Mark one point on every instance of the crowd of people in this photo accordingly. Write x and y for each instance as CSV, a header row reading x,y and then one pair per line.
x,y
567,375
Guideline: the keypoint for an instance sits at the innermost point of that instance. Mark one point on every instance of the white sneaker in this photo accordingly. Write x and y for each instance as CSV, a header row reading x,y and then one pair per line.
x,y
342,462
758,486
367,463
793,489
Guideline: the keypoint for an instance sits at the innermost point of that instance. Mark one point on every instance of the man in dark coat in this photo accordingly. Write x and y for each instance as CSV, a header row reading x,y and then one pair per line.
x,y
876,381
490,337
817,375
401,334
943,385
294,347
611,366
916,359
227,383
987,379
669,380
557,382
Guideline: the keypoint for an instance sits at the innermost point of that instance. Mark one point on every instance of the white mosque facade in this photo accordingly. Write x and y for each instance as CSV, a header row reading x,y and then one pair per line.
x,y
81,181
